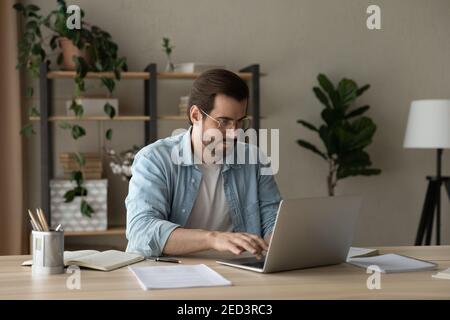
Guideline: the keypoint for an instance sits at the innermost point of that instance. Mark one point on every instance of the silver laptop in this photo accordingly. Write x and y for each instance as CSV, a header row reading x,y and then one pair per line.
x,y
308,233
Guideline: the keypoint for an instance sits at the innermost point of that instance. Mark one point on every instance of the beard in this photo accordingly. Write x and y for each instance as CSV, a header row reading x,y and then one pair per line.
x,y
218,148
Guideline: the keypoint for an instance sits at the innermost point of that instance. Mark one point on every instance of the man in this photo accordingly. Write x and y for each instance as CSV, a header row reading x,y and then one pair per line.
x,y
195,202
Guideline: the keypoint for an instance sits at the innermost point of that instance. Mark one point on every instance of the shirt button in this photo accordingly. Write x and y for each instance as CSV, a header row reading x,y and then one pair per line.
x,y
193,180
183,210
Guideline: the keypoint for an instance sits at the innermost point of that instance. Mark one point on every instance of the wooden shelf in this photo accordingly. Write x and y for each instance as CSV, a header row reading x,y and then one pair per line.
x,y
94,118
136,75
60,74
117,118
113,231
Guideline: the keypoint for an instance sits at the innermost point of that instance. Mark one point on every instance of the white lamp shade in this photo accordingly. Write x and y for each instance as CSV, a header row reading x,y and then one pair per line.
x,y
428,125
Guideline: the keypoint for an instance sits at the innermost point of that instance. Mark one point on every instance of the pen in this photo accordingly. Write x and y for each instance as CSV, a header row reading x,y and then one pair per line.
x,y
162,259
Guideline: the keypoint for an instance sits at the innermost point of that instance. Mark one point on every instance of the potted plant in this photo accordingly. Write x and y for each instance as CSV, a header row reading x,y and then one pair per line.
x,y
88,49
167,48
345,132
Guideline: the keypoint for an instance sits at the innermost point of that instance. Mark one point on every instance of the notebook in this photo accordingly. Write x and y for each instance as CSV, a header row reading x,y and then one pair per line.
x,y
356,252
180,276
93,259
445,274
391,263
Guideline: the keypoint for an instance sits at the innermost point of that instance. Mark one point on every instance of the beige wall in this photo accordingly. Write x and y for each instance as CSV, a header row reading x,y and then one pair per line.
x,y
294,41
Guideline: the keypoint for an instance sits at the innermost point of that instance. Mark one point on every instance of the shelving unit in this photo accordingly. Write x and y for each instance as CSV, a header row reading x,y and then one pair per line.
x,y
150,117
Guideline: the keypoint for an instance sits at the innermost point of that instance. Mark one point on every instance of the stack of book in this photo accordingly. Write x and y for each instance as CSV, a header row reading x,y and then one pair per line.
x,y
92,168
183,105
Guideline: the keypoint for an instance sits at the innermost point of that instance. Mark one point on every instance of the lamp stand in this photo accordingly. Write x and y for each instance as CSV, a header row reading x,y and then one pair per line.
x,y
432,205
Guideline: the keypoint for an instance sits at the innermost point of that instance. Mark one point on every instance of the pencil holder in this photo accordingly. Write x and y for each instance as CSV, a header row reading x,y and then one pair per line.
x,y
48,252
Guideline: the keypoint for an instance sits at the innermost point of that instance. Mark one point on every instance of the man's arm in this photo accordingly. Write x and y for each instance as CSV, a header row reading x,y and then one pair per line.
x,y
269,200
147,203
184,241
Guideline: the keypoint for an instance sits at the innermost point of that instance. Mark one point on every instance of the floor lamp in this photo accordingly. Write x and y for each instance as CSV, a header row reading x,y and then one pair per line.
x,y
429,127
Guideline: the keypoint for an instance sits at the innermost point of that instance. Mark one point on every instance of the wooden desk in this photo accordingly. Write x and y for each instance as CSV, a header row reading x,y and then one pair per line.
x,y
332,282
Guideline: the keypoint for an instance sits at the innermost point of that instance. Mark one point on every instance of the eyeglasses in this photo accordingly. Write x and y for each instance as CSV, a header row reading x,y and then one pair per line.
x,y
243,123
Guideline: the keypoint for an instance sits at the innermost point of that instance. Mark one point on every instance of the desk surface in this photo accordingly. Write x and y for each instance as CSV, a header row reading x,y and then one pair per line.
x,y
332,282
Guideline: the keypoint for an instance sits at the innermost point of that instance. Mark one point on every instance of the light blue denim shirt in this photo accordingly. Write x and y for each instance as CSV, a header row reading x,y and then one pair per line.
x,y
162,193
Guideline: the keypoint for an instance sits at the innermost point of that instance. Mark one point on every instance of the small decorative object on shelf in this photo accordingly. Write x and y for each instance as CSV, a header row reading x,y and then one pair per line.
x,y
183,105
69,214
92,168
121,162
92,106
167,47
196,67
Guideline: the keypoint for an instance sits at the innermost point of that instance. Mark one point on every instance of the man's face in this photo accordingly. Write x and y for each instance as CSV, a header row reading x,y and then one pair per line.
x,y
218,138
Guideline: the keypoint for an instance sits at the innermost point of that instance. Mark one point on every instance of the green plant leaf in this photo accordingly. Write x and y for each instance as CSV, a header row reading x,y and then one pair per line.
x,y
32,24
362,89
86,209
27,130
325,83
53,43
308,125
76,176
356,159
347,92
65,125
109,134
311,147
77,108
69,196
29,92
78,131
79,190
321,96
33,112
19,7
357,112
32,7
109,84
80,159
109,110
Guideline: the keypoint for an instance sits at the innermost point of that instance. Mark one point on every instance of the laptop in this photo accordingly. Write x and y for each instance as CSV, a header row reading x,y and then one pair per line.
x,y
308,232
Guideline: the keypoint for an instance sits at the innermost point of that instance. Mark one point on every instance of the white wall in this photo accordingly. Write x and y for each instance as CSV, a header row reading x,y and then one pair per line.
x,y
294,41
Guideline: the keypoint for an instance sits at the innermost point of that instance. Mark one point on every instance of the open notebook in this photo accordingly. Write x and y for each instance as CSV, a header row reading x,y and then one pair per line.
x,y
92,259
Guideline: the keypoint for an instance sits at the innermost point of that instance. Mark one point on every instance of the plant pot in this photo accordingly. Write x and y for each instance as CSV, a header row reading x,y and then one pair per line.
x,y
69,50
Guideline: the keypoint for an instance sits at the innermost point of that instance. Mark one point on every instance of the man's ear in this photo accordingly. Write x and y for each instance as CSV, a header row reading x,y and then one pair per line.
x,y
195,114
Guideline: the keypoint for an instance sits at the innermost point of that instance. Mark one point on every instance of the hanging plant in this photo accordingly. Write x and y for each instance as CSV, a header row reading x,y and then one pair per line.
x,y
95,52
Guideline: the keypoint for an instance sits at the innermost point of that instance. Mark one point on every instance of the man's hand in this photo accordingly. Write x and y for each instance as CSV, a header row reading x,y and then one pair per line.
x,y
237,242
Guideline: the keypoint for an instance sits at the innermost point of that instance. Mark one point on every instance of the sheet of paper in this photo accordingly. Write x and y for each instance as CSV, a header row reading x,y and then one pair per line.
x,y
389,263
179,276
444,274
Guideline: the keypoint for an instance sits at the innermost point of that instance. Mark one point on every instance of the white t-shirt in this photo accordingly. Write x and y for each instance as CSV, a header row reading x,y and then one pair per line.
x,y
210,210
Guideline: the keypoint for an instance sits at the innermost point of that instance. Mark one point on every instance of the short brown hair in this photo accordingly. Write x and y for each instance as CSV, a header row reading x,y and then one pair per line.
x,y
213,82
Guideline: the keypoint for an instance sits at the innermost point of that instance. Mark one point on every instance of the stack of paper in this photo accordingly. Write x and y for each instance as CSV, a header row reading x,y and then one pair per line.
x,y
180,276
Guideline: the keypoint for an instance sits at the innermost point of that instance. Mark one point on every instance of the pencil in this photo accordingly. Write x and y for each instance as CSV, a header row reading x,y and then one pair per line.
x,y
38,227
43,220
